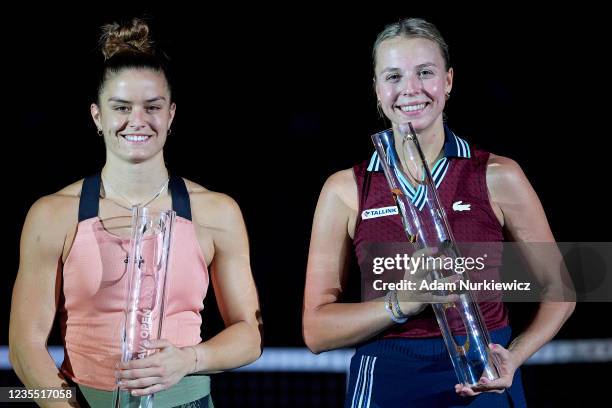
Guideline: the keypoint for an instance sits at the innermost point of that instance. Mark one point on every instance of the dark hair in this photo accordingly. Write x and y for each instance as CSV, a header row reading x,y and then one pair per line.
x,y
126,46
413,28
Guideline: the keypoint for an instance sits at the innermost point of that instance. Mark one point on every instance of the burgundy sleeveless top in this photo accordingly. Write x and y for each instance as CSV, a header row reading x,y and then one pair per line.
x,y
460,177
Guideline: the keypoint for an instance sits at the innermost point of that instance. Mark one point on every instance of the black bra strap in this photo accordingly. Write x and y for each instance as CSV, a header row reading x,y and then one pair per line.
x,y
180,197
90,195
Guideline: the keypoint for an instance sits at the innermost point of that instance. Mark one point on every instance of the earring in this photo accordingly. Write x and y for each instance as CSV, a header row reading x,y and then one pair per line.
x,y
447,95
100,132
169,131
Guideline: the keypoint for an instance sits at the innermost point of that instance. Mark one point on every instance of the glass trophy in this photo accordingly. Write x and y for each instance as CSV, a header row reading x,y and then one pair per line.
x,y
426,226
147,267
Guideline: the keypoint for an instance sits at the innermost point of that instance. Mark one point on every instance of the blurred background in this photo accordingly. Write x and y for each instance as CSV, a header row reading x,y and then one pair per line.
x,y
272,100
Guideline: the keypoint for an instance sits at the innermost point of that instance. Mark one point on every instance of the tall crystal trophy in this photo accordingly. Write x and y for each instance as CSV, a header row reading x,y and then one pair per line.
x,y
426,226
147,267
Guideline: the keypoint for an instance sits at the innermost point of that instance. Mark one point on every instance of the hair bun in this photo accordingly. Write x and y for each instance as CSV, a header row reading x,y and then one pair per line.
x,y
132,37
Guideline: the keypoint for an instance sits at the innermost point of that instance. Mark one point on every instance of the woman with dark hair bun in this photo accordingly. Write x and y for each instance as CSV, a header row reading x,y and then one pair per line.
x,y
73,266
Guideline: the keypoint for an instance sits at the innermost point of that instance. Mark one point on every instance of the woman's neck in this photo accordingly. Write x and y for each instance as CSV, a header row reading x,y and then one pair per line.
x,y
431,141
136,182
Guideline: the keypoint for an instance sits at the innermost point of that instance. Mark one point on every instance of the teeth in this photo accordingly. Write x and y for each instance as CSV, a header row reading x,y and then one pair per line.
x,y
413,108
131,138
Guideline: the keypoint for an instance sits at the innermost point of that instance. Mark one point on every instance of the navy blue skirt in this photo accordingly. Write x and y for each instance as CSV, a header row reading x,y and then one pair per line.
x,y
418,373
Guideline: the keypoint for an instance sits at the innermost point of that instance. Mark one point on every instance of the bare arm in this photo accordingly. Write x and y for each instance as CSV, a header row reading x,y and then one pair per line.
x,y
328,324
35,297
240,342
525,220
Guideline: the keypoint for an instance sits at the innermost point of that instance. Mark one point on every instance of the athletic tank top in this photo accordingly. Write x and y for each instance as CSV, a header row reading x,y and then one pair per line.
x,y
460,178
95,283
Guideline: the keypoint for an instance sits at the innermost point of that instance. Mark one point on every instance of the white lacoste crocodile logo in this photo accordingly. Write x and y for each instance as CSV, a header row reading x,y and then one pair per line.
x,y
459,206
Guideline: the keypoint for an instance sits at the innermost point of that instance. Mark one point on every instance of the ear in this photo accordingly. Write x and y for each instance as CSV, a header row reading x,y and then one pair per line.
x,y
172,112
449,80
95,114
375,86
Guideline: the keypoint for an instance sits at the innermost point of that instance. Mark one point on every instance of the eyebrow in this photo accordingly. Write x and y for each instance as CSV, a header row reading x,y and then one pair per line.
x,y
427,64
393,69
157,98
119,100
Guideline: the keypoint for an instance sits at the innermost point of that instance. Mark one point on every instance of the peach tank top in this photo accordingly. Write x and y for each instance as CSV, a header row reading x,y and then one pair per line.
x,y
95,286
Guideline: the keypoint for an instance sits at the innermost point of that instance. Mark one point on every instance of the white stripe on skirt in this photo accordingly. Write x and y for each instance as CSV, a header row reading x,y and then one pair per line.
x,y
363,393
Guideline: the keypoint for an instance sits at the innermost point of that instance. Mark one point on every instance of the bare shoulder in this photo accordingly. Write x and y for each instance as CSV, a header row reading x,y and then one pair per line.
x,y
211,207
503,166
193,187
59,205
506,181
506,174
342,185
212,200
52,217
72,190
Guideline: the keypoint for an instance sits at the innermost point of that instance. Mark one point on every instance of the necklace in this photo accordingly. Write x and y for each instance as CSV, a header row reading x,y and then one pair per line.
x,y
161,190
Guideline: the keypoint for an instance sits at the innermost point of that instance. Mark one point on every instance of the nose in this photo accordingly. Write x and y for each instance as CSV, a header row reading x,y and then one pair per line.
x,y
137,118
412,85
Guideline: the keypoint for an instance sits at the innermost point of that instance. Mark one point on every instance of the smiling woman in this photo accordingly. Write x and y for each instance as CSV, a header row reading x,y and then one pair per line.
x,y
74,268
134,111
412,80
142,96
401,359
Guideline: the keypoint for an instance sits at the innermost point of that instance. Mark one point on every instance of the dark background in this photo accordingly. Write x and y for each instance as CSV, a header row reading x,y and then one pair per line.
x,y
271,101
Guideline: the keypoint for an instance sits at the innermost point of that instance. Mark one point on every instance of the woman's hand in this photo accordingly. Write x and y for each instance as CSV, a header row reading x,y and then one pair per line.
x,y
413,301
507,367
158,371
